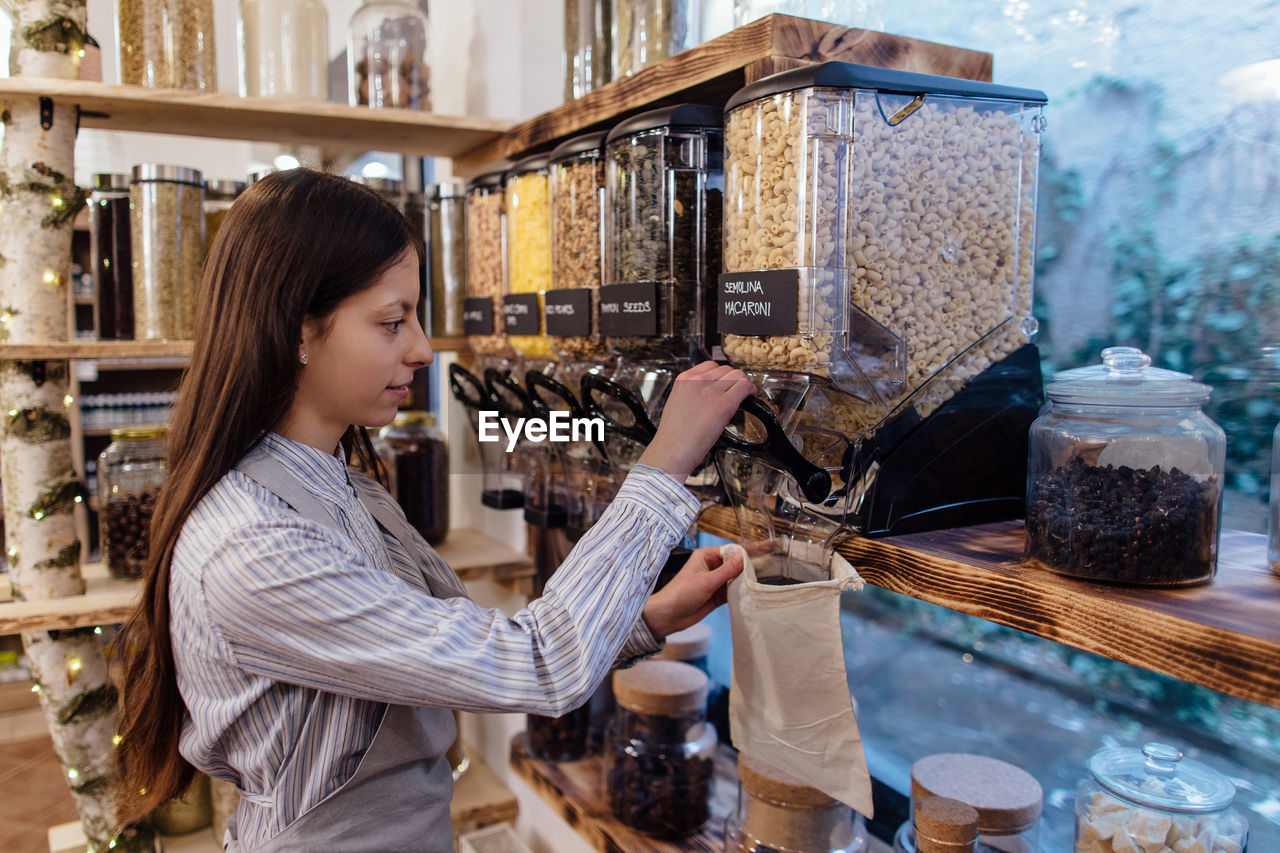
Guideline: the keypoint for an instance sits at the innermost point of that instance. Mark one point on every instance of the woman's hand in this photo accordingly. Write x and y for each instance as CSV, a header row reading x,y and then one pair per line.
x,y
703,400
700,586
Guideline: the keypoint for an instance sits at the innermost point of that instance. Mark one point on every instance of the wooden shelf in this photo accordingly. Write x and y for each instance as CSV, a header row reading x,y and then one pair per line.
x,y
710,72
575,791
106,600
1224,635
95,350
281,120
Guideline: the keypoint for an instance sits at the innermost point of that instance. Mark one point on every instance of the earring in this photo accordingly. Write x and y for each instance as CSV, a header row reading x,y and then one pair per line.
x,y
303,358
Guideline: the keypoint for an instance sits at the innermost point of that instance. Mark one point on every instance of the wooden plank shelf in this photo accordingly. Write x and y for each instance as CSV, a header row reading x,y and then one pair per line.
x,y
710,72
575,791
1224,635
95,350
471,554
286,121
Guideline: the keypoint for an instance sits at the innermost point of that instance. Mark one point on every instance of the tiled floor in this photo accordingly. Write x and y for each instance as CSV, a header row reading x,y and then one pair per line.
x,y
33,794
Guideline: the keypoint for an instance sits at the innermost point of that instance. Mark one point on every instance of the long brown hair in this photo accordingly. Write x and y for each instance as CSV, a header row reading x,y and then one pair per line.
x,y
292,247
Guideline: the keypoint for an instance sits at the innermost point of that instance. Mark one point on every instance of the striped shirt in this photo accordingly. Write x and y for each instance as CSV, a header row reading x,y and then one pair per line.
x,y
289,636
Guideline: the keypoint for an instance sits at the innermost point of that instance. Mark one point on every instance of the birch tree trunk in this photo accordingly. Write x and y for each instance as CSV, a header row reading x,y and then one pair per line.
x,y
40,201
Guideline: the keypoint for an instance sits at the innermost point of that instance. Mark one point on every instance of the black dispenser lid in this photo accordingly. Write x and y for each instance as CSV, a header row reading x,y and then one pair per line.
x,y
688,116
847,75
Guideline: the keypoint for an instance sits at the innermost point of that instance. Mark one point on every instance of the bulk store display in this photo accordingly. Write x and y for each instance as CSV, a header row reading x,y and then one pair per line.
x,y
1124,480
112,253
387,56
659,753
130,473
879,236
577,249
167,239
527,191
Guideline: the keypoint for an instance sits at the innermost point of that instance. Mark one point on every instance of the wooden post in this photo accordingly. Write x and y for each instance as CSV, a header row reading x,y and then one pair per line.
x,y
40,201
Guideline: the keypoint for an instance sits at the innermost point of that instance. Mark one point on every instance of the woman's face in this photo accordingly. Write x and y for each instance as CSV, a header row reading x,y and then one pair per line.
x,y
358,372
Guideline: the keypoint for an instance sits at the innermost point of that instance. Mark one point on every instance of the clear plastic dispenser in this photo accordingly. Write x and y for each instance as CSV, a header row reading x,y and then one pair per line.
x,y
878,247
664,183
503,483
486,266
1154,799
577,251
528,201
1124,479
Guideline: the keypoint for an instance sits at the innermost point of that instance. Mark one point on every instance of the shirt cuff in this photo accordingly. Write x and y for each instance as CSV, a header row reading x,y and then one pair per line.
x,y
662,494
640,644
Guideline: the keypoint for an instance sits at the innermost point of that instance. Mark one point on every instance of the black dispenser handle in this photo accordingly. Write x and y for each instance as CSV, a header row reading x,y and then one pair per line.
x,y
536,379
466,388
642,430
493,378
777,449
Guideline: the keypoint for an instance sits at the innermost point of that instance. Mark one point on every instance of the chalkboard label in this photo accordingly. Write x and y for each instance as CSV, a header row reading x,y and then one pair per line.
x,y
568,312
520,314
758,303
477,315
629,310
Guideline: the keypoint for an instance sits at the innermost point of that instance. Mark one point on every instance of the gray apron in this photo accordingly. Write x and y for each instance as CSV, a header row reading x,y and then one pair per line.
x,y
398,799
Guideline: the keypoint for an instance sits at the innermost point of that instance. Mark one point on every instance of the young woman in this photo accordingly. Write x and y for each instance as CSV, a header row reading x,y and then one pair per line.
x,y
296,636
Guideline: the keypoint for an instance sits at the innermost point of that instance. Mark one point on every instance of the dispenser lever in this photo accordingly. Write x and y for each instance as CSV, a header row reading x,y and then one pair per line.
x,y
494,378
536,379
642,430
459,378
776,448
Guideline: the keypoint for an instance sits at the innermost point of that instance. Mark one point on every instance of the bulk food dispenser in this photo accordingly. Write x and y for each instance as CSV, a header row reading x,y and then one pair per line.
x,y
879,232
528,235
663,179
503,484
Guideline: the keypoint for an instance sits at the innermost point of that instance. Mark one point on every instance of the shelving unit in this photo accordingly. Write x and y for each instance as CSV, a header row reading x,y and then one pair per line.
x,y
1224,635
575,790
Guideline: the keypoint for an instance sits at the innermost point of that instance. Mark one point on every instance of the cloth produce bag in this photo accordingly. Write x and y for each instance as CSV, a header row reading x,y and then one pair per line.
x,y
790,710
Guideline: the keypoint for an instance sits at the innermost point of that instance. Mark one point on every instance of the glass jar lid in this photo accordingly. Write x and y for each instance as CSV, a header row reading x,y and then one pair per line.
x,y
1126,378
1158,776
110,181
385,186
586,143
661,687
258,174
488,181
690,644
223,188
138,433
449,189
144,172
533,163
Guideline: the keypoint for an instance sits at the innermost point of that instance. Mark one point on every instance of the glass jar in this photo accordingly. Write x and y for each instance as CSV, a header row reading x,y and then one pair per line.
x,y
1154,799
448,244
528,200
664,180
130,473
486,265
586,46
647,31
219,195
864,14
167,235
389,188
167,44
659,752
1273,526
417,461
284,49
563,738
774,815
1124,475
1007,798
387,62
577,248
112,256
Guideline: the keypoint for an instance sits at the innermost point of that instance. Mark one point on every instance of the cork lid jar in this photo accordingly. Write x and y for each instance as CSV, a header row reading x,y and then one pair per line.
x,y
1008,799
780,814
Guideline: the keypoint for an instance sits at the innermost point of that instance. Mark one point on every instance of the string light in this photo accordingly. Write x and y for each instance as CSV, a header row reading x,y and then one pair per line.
x,y
68,400
35,688
79,499
37,515
50,276
97,630
115,740
57,201
5,317
73,773
74,665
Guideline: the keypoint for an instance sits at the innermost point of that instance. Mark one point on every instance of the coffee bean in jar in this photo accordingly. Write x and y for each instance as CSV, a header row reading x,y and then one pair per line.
x,y
130,473
417,461
387,56
1124,476
659,752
